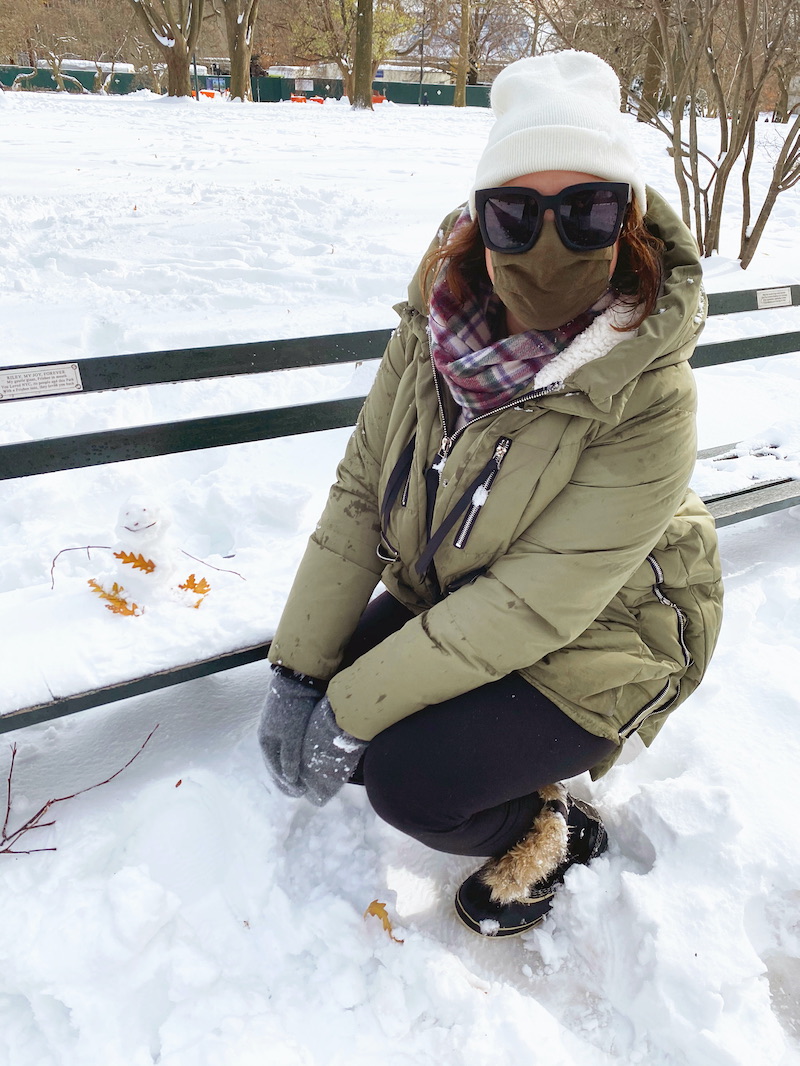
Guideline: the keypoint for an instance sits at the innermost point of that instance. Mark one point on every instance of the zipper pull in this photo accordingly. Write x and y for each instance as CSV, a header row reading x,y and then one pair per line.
x,y
441,457
438,465
501,450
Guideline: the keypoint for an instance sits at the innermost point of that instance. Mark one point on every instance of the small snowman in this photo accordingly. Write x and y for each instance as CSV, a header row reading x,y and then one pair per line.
x,y
145,570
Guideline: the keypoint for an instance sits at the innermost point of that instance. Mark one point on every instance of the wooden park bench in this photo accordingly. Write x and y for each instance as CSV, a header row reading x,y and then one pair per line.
x,y
27,458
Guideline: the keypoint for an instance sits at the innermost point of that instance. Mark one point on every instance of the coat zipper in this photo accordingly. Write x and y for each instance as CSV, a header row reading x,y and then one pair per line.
x,y
448,441
481,493
648,709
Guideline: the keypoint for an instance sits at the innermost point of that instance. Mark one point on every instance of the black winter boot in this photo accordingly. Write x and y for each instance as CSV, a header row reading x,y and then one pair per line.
x,y
513,893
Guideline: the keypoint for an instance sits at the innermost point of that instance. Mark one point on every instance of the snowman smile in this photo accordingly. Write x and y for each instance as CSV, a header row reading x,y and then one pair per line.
x,y
139,529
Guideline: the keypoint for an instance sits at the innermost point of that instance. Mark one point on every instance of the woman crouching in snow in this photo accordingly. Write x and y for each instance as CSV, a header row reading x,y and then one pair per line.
x,y
518,480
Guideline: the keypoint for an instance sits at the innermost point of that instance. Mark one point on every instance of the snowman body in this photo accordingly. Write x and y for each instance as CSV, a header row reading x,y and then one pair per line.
x,y
143,570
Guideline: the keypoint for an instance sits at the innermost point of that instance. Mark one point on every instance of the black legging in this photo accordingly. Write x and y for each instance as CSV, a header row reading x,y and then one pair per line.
x,y
461,776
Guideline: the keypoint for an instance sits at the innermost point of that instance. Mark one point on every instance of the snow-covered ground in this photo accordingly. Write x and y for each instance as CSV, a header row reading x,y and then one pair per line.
x,y
192,916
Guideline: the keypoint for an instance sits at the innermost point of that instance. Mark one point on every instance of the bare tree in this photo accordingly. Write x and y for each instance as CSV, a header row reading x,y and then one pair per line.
x,y
65,30
273,34
55,53
173,26
325,31
147,59
729,49
500,31
787,66
15,22
691,58
785,175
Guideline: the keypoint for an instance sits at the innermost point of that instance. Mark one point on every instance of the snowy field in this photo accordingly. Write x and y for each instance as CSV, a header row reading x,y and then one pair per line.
x,y
193,916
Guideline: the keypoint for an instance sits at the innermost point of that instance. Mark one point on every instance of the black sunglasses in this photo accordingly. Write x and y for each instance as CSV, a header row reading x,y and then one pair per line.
x,y
588,217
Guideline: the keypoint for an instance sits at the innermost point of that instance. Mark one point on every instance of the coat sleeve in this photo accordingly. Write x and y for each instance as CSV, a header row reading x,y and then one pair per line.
x,y
340,568
554,581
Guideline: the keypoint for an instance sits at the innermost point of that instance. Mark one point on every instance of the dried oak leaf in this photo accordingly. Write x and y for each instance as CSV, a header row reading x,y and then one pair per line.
x,y
378,910
115,601
191,584
138,562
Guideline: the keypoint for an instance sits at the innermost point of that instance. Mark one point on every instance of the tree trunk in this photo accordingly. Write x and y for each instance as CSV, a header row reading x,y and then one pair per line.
x,y
240,17
460,95
348,86
653,67
720,102
781,112
361,99
746,206
177,60
20,78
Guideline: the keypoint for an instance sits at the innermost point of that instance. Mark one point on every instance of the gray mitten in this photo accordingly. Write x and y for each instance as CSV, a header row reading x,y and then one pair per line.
x,y
329,755
284,718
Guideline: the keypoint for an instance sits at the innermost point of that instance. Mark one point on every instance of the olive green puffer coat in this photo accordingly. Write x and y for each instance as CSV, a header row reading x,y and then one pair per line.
x,y
567,545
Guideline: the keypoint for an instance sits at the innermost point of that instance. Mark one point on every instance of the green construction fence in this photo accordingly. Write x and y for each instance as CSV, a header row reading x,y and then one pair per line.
x,y
43,79
265,90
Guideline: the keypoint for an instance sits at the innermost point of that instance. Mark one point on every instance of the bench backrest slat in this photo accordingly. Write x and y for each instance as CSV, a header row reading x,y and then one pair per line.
x,y
215,361
141,442
728,303
260,357
189,364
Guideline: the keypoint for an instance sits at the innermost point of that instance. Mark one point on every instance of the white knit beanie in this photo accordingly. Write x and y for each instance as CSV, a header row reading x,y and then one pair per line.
x,y
558,111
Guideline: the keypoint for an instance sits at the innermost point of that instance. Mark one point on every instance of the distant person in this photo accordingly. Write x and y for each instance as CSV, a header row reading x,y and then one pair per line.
x,y
424,99
518,480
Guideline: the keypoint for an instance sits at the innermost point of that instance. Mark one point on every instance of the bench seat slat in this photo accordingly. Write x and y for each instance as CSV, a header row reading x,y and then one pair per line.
x,y
752,502
60,707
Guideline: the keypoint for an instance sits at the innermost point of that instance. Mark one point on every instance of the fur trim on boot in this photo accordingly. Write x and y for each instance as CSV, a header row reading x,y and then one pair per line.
x,y
513,893
536,857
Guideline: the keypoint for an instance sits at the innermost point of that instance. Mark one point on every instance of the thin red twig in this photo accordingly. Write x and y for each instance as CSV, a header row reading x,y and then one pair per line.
x,y
8,789
7,840
79,548
211,566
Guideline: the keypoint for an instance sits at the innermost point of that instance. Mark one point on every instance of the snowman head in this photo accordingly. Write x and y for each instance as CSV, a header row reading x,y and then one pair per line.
x,y
141,521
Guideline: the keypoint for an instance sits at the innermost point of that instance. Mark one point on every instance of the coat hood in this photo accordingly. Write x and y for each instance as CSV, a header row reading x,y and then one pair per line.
x,y
666,337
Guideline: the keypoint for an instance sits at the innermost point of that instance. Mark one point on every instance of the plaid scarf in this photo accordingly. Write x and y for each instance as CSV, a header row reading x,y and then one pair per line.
x,y
483,373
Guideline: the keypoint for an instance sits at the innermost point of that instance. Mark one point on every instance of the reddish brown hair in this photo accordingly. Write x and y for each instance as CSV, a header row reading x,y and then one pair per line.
x,y
637,276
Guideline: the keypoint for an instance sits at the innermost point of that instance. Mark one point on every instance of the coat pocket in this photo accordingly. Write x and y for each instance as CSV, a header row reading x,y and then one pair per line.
x,y
680,617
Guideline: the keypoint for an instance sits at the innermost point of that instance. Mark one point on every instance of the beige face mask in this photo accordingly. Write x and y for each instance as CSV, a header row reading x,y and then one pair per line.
x,y
550,285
